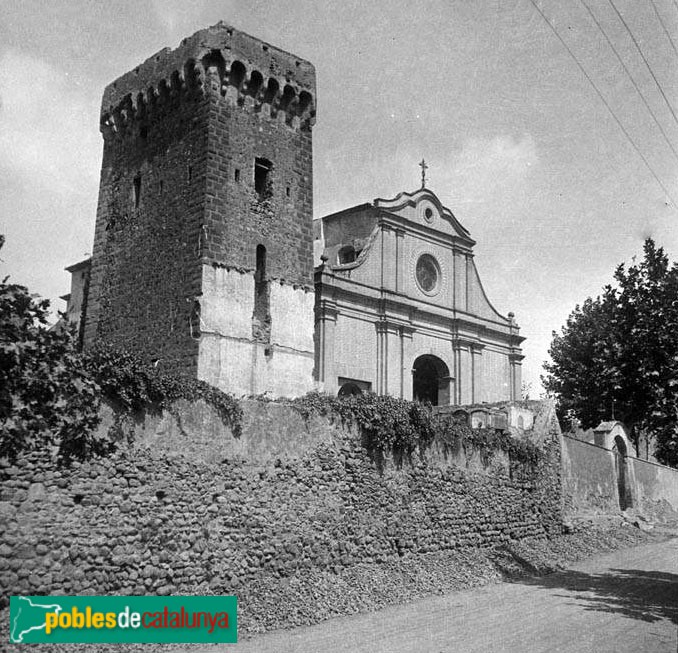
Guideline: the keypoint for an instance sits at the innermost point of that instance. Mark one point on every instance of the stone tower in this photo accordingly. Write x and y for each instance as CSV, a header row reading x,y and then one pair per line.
x,y
203,251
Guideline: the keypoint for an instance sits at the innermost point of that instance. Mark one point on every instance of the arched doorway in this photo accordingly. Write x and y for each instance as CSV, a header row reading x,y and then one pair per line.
x,y
349,389
431,380
623,489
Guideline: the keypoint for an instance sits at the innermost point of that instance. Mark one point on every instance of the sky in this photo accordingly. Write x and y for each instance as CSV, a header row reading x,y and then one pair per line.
x,y
556,185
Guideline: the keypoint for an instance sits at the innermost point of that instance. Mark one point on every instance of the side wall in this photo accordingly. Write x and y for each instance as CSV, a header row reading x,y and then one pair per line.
x,y
590,484
589,479
192,509
655,486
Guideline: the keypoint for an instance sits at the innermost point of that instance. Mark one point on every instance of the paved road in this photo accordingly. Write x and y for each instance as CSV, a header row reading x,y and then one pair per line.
x,y
621,602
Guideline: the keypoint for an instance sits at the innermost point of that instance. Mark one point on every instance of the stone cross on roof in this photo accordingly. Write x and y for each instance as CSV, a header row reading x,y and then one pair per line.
x,y
424,168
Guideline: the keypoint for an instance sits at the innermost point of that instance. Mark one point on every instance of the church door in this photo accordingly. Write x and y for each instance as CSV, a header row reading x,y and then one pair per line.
x,y
431,380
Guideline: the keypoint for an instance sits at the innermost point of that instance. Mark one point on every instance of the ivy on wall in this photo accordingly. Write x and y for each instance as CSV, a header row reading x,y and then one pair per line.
x,y
391,424
126,379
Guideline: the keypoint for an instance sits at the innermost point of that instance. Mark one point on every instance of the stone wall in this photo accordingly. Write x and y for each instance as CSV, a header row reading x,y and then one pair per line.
x,y
590,484
656,487
188,508
589,481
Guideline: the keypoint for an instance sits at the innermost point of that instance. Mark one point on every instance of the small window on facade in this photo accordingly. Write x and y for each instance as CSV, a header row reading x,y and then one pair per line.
x,y
136,191
347,254
190,173
236,175
262,181
287,191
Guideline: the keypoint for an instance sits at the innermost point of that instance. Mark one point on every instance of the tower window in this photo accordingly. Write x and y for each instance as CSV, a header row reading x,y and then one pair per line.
x,y
262,178
261,318
136,191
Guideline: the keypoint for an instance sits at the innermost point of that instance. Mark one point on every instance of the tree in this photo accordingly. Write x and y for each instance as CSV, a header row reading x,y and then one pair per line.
x,y
46,397
618,354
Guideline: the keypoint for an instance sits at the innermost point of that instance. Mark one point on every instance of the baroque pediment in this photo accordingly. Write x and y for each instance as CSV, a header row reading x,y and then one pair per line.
x,y
423,207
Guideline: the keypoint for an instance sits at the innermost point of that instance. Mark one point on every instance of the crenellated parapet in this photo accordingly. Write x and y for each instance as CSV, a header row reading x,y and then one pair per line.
x,y
220,59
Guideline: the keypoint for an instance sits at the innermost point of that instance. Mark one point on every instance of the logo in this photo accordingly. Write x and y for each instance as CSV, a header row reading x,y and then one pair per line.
x,y
122,619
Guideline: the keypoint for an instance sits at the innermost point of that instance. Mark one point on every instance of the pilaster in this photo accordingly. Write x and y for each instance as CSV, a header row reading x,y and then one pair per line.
x,y
327,320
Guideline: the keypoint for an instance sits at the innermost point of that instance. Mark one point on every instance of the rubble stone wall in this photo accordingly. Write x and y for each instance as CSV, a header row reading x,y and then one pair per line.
x,y
186,508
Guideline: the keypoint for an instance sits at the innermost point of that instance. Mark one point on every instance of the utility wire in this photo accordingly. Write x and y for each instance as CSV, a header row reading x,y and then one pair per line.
x,y
661,22
633,81
605,102
635,42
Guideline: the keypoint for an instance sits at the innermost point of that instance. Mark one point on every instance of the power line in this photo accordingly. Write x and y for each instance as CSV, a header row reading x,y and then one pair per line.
x,y
605,102
661,22
635,42
633,81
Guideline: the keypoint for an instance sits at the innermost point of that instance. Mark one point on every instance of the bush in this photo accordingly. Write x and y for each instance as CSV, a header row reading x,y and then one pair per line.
x,y
47,399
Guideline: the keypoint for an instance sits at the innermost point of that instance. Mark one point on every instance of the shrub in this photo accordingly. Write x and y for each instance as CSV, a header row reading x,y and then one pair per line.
x,y
47,398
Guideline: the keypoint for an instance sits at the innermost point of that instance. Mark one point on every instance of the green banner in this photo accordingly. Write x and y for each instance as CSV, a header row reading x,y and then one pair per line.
x,y
122,619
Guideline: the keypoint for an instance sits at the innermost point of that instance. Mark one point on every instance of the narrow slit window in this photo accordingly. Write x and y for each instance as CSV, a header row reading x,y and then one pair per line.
x,y
261,318
136,191
236,175
262,178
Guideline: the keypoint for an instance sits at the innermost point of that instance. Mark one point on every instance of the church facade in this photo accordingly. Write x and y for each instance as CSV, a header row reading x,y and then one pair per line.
x,y
203,255
400,308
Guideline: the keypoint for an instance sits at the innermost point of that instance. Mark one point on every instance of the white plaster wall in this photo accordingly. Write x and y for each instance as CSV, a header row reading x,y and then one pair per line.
x,y
243,368
355,349
291,316
227,302
231,360
496,381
